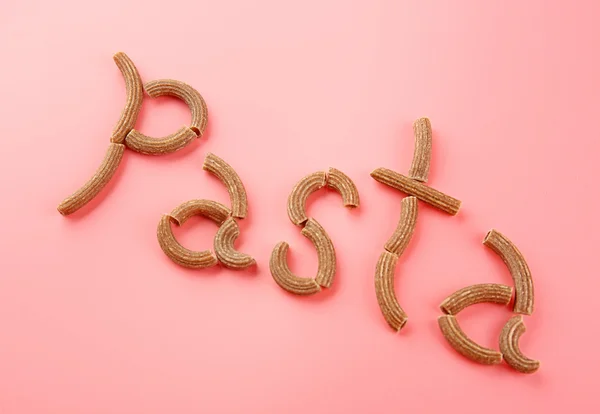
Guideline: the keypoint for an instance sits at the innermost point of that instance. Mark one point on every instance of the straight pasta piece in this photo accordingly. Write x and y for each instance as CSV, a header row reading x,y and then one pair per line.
x,y
419,169
412,187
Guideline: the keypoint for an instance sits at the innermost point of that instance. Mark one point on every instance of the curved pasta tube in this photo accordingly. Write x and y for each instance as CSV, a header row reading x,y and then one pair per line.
x,y
517,267
225,238
235,187
412,187
135,96
216,212
464,345
419,169
471,295
101,177
384,288
284,277
345,186
406,227
183,91
302,190
179,254
176,141
509,346
325,252
180,214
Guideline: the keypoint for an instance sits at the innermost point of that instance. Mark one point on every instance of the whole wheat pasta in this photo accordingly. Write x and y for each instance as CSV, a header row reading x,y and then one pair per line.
x,y
302,190
101,177
135,96
325,252
424,193
216,212
406,226
384,288
183,91
345,186
509,346
176,141
419,169
464,345
225,238
471,295
235,187
517,267
179,254
285,278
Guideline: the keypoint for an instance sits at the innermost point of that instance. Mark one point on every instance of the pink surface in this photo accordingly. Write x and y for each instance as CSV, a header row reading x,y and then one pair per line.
x,y
94,318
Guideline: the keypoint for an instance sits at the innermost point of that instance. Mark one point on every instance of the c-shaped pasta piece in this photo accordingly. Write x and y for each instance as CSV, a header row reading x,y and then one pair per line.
x,y
284,277
326,259
176,141
235,187
384,288
135,96
176,252
419,169
509,346
101,177
225,238
517,267
300,193
406,226
464,345
412,187
471,295
345,186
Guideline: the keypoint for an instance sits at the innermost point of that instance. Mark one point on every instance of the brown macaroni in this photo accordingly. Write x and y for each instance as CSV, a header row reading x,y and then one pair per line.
x,y
135,96
95,184
406,226
464,345
235,187
517,267
224,246
384,288
509,346
419,169
471,295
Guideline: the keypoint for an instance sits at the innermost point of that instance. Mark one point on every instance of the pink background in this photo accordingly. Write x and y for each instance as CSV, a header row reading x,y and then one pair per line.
x,y
94,318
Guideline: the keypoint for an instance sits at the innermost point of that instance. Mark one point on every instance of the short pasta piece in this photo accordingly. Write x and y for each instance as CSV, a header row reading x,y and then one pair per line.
x,y
302,190
179,254
325,252
386,296
406,226
216,212
419,169
144,144
284,277
101,177
235,187
345,186
471,295
517,267
225,238
180,214
509,346
135,96
412,187
464,345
